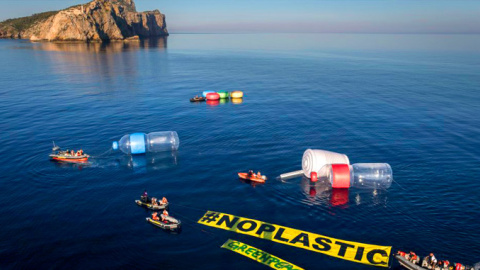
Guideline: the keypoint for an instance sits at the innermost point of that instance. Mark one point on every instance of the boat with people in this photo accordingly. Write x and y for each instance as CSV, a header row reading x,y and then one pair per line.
x,y
68,155
152,203
253,177
197,99
412,262
165,221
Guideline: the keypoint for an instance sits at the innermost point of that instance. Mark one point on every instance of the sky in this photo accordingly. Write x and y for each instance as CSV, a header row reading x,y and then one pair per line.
x,y
302,16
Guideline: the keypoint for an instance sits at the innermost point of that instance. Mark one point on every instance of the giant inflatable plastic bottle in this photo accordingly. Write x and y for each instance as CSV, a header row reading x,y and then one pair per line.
x,y
360,175
141,143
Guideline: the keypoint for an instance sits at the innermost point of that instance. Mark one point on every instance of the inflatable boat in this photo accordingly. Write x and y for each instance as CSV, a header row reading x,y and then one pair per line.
x,y
66,156
170,223
414,266
252,177
147,202
197,99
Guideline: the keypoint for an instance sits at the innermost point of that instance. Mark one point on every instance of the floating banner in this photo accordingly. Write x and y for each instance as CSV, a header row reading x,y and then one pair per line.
x,y
259,255
347,250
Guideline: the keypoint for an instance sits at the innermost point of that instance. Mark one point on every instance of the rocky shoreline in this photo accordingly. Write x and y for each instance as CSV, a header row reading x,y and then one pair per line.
x,y
96,21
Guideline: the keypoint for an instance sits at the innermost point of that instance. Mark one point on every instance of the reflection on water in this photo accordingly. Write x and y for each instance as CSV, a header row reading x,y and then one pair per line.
x,y
237,100
105,47
321,192
69,165
213,102
99,66
148,162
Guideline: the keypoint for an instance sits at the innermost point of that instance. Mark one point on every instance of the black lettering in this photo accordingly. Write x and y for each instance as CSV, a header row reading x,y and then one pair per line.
x,y
323,242
371,255
251,228
359,254
229,223
265,228
278,235
343,248
301,237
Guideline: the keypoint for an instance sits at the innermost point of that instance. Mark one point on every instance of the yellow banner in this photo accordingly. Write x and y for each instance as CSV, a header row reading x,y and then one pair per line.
x,y
347,250
259,255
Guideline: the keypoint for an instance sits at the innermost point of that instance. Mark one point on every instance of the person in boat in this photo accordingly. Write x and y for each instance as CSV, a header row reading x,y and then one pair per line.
x,y
164,215
401,253
155,216
259,175
72,153
412,256
443,264
432,261
81,152
144,197
163,201
154,201
251,173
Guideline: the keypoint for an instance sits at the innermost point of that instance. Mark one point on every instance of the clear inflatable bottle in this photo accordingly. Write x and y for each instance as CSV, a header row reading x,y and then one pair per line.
x,y
141,143
359,175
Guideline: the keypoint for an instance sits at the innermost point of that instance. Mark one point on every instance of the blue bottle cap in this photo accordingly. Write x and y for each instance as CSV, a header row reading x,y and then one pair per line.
x,y
115,145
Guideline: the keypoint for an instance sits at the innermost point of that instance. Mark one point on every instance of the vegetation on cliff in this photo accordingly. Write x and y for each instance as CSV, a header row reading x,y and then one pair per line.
x,y
23,23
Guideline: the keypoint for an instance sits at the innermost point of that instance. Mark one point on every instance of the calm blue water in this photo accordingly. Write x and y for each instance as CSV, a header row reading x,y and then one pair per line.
x,y
412,101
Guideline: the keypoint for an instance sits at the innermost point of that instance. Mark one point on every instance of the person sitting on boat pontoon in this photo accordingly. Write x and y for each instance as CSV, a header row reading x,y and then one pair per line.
x,y
155,216
72,153
251,173
401,253
259,175
154,201
443,264
164,215
432,261
412,256
164,201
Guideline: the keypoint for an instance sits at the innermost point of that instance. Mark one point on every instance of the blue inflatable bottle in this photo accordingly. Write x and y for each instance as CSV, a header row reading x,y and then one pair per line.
x,y
141,143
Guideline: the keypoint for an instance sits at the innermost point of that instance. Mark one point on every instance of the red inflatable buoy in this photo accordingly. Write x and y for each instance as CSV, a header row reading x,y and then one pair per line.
x,y
313,176
213,96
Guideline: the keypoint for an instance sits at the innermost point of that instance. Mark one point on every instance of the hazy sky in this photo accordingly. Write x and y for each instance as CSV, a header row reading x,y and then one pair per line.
x,y
374,16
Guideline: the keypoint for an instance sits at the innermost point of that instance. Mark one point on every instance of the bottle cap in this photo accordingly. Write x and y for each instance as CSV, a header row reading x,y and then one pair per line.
x,y
340,176
115,145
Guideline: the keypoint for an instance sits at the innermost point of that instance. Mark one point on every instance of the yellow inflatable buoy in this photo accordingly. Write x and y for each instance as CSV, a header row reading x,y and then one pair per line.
x,y
236,94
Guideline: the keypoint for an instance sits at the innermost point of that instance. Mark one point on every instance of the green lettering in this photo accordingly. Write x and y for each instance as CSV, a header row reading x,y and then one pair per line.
x,y
249,250
242,248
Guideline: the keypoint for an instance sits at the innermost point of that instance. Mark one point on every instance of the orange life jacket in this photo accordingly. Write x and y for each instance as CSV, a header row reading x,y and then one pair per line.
x,y
154,216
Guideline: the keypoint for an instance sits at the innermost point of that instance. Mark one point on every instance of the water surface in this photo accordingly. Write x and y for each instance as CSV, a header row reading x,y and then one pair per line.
x,y
408,100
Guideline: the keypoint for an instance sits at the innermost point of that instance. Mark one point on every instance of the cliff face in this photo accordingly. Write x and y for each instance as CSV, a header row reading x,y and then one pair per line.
x,y
99,20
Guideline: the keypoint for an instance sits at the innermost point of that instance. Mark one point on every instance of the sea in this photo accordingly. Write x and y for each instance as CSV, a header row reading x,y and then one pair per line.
x,y
412,101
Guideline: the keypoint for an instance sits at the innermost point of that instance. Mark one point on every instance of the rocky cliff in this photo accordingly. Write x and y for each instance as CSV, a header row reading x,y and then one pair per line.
x,y
98,20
